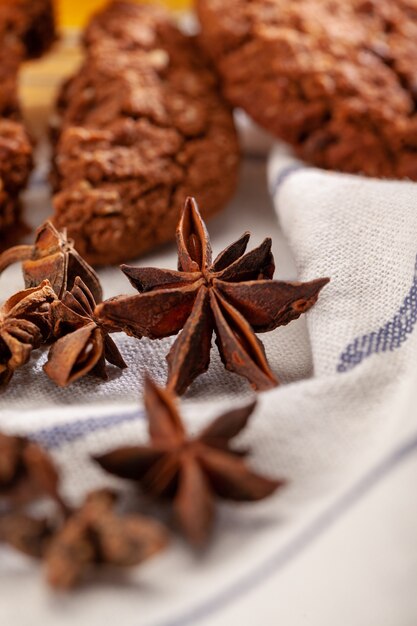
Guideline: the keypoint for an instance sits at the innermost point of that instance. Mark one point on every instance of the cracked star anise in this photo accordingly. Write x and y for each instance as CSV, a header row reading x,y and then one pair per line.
x,y
52,257
26,471
95,535
84,345
24,324
234,297
190,471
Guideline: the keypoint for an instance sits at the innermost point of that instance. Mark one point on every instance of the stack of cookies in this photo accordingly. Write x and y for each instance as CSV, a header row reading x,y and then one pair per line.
x,y
141,126
26,31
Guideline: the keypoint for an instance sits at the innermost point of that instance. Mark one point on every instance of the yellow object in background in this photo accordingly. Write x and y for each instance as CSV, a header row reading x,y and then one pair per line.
x,y
73,13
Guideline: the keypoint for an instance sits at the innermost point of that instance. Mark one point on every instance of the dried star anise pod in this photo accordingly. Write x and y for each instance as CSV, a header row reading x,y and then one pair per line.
x,y
26,534
26,471
84,345
95,535
191,472
52,257
24,324
234,297
73,540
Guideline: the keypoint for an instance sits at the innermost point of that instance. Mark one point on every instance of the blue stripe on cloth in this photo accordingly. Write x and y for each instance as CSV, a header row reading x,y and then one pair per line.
x,y
388,337
278,560
284,174
61,434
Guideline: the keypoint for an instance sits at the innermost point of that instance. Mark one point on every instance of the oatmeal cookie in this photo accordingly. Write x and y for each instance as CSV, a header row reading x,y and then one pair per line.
x,y
336,79
140,127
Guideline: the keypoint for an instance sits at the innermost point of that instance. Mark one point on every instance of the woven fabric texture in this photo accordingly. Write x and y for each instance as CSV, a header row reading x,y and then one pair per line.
x,y
341,422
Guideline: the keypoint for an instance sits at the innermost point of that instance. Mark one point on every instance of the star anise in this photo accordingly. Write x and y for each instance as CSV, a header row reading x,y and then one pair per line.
x,y
189,471
52,257
26,534
24,324
72,540
84,345
95,535
26,471
234,297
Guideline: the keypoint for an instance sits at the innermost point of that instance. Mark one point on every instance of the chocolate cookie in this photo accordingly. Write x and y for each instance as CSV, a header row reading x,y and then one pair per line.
x,y
140,127
32,22
27,29
15,167
337,79
11,55
130,26
15,146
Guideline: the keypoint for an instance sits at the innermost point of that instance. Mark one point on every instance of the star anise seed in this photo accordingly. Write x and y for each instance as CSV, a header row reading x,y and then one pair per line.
x,y
189,471
95,535
26,471
52,257
24,325
233,297
26,534
83,346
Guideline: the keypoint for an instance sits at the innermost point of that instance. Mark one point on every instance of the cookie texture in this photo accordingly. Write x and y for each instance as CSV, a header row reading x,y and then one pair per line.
x,y
31,22
15,144
15,167
11,55
337,79
139,128
27,29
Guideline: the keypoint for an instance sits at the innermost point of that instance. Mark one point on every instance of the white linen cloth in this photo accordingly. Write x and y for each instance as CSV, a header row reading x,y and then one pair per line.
x,y
339,544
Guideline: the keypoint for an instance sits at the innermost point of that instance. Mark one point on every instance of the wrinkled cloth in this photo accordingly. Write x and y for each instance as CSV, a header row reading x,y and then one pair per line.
x,y
338,545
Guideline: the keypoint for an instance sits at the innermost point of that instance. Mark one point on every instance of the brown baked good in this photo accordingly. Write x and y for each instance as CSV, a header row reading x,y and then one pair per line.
x,y
129,25
11,54
15,146
32,22
26,30
15,167
141,126
335,78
